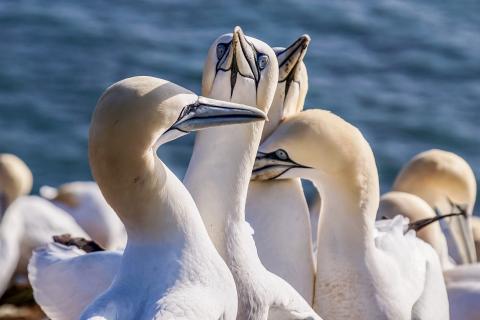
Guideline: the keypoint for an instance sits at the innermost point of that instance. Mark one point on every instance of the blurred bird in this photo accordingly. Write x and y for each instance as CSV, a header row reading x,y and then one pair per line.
x,y
445,181
26,222
463,282
84,201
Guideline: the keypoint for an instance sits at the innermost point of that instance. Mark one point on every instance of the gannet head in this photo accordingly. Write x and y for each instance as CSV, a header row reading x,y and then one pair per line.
x,y
292,83
320,146
240,69
312,140
15,180
415,209
442,178
136,115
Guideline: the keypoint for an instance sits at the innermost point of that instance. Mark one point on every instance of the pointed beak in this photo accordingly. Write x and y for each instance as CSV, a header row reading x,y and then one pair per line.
x,y
422,223
460,231
291,57
3,204
269,166
206,113
463,237
241,58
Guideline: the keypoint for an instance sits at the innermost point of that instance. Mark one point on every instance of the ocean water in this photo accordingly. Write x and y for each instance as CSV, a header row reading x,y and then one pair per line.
x,y
406,73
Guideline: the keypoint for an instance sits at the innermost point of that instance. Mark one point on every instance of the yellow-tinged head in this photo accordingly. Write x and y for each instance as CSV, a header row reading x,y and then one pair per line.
x,y
15,179
240,69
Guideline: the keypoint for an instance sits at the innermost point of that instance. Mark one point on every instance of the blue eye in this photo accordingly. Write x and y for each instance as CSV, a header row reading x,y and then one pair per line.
x,y
281,154
221,49
262,61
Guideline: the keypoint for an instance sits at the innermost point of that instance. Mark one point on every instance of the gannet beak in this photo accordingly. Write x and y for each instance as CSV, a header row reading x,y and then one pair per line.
x,y
241,58
422,223
464,238
3,204
273,165
291,57
461,230
207,113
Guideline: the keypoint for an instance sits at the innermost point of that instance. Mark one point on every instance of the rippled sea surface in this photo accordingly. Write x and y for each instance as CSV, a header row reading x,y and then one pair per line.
x,y
407,73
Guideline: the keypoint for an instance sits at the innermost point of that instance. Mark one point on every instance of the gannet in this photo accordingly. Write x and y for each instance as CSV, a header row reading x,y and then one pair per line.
x,y
169,269
25,221
443,179
463,282
363,272
85,203
277,208
246,71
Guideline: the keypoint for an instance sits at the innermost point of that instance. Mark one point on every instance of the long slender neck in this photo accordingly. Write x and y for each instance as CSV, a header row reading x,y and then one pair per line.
x,y
219,173
150,200
349,205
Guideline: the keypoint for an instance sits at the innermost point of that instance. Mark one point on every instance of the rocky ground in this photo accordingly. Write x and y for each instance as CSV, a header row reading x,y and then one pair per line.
x,y
18,304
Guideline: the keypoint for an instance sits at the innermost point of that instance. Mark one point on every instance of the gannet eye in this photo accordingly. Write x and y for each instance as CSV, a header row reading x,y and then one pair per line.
x,y
262,61
221,49
281,154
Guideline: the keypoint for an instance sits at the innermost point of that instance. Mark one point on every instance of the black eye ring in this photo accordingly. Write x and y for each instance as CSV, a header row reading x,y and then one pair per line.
x,y
221,49
262,61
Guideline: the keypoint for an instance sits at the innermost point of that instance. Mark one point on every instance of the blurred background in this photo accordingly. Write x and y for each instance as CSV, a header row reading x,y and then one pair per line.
x,y
407,73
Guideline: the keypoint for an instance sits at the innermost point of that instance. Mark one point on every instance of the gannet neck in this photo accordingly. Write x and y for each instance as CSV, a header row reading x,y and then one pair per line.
x,y
216,152
274,209
347,214
122,156
219,170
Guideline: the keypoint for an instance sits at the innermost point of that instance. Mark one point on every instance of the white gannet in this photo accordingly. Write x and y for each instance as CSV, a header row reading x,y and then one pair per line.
x,y
245,70
277,208
463,282
443,179
25,221
85,203
170,268
67,266
362,272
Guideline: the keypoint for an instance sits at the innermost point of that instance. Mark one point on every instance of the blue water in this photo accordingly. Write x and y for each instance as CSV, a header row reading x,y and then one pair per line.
x,y
407,73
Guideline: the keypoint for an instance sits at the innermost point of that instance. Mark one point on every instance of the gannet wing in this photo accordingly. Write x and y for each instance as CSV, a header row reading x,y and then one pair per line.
x,y
65,279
